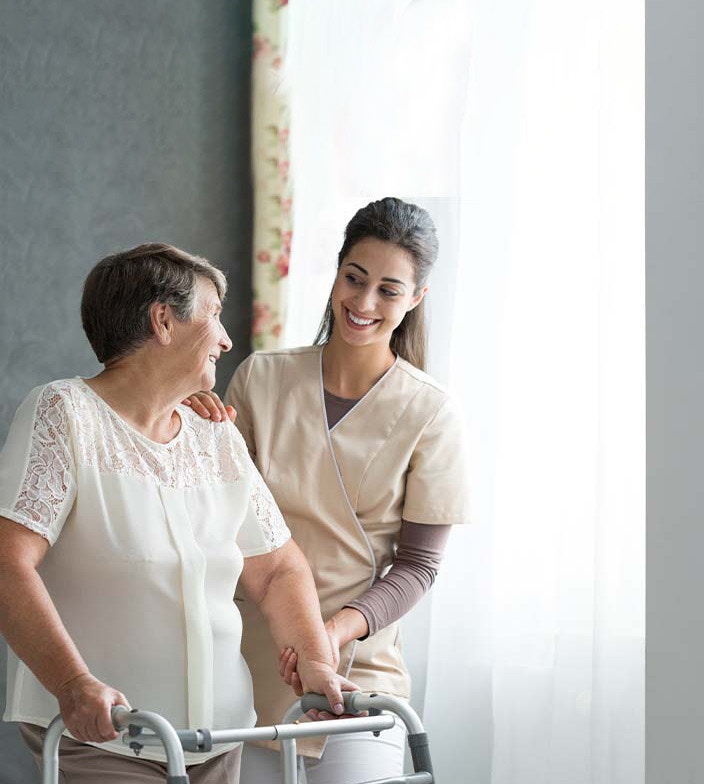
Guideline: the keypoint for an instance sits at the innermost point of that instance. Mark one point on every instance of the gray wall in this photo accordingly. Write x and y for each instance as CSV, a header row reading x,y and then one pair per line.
x,y
120,122
675,413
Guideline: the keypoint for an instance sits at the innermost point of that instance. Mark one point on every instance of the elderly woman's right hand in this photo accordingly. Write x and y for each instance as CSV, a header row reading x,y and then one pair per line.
x,y
85,704
209,406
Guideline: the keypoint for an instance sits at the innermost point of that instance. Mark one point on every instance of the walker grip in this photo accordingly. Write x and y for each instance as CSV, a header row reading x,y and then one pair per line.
x,y
420,752
314,701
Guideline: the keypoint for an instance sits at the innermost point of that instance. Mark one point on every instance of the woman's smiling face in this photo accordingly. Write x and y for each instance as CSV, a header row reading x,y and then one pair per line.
x,y
202,340
374,289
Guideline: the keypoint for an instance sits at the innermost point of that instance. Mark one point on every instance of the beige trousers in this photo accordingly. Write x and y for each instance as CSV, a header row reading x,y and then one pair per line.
x,y
83,764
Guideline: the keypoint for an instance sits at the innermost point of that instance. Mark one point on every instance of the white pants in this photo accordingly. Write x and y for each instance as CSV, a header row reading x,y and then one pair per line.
x,y
348,759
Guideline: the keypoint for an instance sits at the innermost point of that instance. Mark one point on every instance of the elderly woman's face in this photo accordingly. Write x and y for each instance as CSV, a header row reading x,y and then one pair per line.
x,y
201,340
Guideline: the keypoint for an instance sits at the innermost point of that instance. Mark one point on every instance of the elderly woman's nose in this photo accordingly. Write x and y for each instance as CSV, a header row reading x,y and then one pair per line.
x,y
225,342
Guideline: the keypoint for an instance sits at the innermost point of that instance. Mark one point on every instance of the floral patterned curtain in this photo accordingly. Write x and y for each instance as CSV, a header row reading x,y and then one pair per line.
x,y
270,163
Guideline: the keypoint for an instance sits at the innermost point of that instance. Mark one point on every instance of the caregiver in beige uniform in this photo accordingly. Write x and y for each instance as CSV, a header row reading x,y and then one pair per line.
x,y
362,452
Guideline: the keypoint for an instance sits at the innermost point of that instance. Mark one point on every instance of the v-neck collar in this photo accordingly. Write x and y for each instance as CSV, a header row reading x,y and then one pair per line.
x,y
357,404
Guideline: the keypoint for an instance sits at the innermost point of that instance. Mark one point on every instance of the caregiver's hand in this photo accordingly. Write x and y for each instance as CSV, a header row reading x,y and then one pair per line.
x,y
209,406
85,704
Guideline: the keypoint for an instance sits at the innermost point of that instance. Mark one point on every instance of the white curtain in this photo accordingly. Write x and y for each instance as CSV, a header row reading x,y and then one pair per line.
x,y
519,125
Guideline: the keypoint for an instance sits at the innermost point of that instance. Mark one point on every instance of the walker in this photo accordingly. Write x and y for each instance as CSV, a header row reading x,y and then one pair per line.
x,y
383,713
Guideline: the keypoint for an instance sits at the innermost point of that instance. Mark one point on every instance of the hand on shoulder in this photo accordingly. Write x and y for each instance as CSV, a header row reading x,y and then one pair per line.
x,y
207,404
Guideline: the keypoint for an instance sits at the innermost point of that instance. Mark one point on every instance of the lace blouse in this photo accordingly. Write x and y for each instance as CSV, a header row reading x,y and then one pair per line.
x,y
148,542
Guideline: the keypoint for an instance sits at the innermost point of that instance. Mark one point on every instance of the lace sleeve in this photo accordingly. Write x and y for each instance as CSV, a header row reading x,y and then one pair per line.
x,y
264,528
37,472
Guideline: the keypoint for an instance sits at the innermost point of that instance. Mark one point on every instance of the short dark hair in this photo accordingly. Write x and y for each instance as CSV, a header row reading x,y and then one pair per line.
x,y
411,228
120,290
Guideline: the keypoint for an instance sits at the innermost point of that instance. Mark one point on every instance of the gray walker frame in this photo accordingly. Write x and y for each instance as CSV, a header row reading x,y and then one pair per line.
x,y
380,708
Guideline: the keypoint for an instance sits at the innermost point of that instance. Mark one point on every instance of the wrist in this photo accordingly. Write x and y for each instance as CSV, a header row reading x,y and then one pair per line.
x,y
68,682
346,625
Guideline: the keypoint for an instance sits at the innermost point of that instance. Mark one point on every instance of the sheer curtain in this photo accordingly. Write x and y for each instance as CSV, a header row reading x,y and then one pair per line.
x,y
519,125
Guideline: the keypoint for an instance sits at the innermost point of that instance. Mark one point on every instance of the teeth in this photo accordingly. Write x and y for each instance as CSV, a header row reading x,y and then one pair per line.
x,y
356,320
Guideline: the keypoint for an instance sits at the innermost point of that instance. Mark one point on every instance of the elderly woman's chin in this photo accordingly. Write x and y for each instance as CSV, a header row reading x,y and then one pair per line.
x,y
204,380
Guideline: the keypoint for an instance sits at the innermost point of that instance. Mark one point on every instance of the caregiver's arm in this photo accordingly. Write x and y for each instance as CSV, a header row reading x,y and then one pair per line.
x,y
281,584
31,625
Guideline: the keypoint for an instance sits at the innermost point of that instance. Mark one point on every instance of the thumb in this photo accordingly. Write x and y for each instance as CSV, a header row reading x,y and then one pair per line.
x,y
231,413
347,685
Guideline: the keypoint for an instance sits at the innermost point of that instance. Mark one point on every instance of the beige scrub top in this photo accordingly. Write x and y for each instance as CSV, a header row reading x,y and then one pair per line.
x,y
343,493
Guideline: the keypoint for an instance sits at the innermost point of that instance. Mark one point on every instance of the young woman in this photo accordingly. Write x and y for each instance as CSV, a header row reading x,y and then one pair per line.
x,y
362,452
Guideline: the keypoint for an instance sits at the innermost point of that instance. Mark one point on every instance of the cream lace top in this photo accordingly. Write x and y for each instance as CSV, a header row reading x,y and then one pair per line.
x,y
148,542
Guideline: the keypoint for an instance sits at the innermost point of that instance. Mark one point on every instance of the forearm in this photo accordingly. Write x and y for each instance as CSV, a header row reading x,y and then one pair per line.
x,y
291,607
31,625
411,576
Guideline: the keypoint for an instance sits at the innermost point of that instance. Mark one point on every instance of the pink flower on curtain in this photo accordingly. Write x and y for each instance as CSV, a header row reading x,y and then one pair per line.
x,y
261,317
262,46
282,265
264,256
286,238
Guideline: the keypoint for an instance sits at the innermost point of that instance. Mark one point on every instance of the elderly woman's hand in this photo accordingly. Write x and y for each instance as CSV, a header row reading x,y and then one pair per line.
x,y
288,663
209,406
85,704
321,678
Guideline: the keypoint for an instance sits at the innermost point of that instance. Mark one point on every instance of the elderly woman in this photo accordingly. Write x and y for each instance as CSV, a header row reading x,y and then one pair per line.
x,y
126,522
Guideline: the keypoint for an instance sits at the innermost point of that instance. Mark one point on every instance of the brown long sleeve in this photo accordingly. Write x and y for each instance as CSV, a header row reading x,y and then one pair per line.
x,y
412,572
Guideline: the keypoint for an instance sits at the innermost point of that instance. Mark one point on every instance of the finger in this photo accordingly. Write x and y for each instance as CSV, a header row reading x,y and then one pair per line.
x,y
290,668
214,405
222,410
334,695
296,684
284,658
199,408
231,413
120,699
313,714
103,725
347,685
186,402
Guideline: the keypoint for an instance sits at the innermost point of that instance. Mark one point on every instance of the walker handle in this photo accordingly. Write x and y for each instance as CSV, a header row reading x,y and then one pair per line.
x,y
312,701
123,718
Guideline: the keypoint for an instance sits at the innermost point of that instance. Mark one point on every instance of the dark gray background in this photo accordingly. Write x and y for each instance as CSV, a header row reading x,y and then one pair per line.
x,y
120,122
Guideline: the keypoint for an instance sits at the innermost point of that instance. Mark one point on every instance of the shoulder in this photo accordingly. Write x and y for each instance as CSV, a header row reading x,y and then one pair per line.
x,y
426,393
265,364
420,377
62,395
214,441
283,356
207,430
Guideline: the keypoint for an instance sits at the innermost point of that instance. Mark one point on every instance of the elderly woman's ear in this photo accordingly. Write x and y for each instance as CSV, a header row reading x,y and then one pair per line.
x,y
161,317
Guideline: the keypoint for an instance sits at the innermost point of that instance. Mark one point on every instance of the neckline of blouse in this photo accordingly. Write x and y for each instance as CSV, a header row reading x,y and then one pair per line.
x,y
111,411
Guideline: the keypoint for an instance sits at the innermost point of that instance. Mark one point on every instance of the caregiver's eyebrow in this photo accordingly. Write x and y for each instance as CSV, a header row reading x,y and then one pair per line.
x,y
386,280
